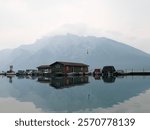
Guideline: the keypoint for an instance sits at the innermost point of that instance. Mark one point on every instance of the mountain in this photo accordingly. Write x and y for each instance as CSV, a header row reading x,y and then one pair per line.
x,y
94,51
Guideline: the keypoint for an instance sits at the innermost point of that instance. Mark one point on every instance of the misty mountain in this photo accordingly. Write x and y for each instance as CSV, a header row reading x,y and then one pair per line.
x,y
94,51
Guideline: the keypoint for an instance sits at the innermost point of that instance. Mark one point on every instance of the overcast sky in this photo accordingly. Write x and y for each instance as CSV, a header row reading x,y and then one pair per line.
x,y
24,21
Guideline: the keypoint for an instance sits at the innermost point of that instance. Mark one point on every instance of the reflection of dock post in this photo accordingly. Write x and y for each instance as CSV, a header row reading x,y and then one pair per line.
x,y
88,96
126,71
10,79
143,75
132,74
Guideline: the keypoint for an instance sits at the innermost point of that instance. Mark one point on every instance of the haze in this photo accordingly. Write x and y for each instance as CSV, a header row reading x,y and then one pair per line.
x,y
25,21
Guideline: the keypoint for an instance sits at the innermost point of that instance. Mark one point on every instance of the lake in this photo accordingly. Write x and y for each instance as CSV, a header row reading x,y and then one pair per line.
x,y
75,94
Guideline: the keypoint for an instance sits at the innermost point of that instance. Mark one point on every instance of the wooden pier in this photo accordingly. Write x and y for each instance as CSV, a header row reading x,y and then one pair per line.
x,y
134,73
138,73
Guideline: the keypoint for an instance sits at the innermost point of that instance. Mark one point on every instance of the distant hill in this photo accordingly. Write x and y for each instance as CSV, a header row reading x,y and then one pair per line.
x,y
94,51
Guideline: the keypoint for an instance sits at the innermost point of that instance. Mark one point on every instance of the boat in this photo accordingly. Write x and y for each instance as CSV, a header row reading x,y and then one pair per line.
x,y
10,73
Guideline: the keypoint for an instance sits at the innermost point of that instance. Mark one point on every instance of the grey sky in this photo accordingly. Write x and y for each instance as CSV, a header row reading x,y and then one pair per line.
x,y
24,21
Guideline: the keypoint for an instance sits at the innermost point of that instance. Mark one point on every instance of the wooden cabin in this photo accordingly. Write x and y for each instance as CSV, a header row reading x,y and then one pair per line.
x,y
108,70
21,72
68,68
97,72
31,72
44,69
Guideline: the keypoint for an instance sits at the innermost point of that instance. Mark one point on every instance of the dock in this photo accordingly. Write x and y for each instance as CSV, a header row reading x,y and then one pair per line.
x,y
136,73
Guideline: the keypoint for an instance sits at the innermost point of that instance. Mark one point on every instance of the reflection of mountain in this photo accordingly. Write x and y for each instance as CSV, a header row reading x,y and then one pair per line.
x,y
93,95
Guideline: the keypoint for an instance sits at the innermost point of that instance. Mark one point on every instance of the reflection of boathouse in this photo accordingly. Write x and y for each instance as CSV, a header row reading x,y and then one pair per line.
x,y
64,82
43,79
109,79
68,68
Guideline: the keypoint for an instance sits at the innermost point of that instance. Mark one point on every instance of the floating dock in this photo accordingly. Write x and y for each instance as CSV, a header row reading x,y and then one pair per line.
x,y
138,73
134,73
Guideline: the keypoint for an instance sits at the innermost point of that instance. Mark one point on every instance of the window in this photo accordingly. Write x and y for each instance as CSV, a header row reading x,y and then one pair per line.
x,y
57,66
67,68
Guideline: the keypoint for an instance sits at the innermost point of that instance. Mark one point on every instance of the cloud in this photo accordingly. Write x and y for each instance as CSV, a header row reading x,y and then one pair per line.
x,y
77,29
24,21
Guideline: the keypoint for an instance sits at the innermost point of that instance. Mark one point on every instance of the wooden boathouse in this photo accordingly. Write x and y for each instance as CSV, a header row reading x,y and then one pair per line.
x,y
63,68
68,68
42,69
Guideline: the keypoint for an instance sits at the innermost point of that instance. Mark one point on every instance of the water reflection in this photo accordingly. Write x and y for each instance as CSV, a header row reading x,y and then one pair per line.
x,y
42,79
106,78
10,78
77,94
65,82
109,79
12,105
135,104
60,82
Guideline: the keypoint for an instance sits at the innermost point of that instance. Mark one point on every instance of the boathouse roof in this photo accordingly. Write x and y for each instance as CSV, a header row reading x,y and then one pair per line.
x,y
69,63
43,66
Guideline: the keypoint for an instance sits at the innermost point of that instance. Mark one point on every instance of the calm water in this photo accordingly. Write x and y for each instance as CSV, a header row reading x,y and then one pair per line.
x,y
75,94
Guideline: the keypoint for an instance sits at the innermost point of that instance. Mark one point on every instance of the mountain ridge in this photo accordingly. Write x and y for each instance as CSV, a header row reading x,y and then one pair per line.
x,y
94,51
